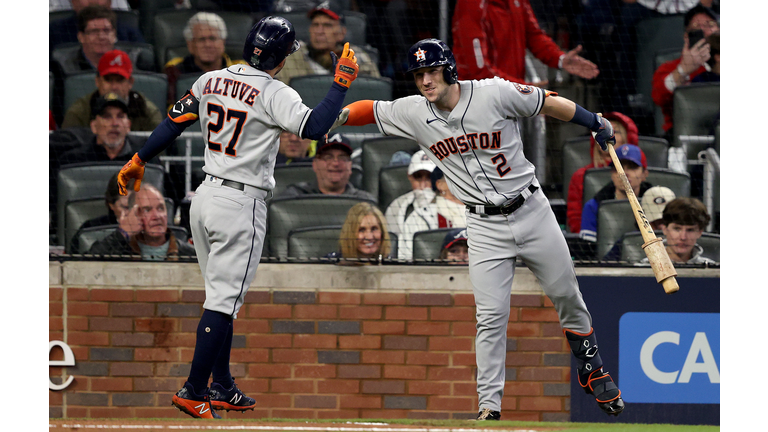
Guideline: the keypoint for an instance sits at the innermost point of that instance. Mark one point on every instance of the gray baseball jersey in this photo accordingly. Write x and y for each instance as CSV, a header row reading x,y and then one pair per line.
x,y
478,147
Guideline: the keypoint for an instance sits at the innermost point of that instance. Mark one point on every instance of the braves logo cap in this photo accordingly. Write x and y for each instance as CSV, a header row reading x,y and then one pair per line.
x,y
329,8
334,141
115,62
453,236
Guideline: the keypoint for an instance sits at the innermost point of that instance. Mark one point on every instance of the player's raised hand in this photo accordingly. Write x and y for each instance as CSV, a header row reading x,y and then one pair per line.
x,y
577,65
133,169
346,67
604,134
341,119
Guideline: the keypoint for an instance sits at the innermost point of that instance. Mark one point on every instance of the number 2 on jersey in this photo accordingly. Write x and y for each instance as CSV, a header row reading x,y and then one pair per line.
x,y
222,115
501,164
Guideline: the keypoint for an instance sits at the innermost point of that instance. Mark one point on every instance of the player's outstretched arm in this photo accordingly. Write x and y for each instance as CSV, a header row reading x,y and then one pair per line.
x,y
358,113
567,110
183,114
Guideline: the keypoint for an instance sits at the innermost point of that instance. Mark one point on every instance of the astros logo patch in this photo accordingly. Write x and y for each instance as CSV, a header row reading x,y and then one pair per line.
x,y
420,55
522,88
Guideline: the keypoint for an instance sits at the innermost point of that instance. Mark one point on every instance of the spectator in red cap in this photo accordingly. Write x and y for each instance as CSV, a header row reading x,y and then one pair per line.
x,y
327,32
115,75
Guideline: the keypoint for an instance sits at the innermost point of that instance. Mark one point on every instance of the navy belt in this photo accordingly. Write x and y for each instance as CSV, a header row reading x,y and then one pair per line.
x,y
233,184
505,209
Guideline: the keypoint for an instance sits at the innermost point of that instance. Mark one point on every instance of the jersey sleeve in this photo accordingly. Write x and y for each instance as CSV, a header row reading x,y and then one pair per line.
x,y
185,111
520,100
286,108
393,118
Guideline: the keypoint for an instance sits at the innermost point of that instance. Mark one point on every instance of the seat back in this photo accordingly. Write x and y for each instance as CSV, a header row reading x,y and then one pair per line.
x,y
575,155
393,182
88,180
313,89
614,218
427,244
185,83
596,178
376,154
313,242
286,175
287,214
654,35
632,246
141,54
696,107
656,151
153,86
77,86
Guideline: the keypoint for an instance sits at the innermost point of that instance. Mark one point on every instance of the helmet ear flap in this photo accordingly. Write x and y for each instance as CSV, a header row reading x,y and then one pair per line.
x,y
450,75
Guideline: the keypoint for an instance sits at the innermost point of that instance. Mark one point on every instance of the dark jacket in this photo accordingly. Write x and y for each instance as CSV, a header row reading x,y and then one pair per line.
x,y
117,244
311,188
144,115
93,152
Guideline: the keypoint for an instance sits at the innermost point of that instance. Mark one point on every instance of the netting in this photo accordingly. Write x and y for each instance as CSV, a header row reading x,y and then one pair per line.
x,y
661,95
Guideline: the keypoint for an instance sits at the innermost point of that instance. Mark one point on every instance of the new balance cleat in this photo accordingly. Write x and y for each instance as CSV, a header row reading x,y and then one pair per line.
x,y
193,404
608,396
230,399
488,414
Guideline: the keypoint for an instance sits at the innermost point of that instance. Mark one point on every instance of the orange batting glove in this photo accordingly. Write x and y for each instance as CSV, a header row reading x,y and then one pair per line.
x,y
133,169
346,68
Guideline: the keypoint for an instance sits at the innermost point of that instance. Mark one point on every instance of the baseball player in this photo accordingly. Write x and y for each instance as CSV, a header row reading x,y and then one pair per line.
x,y
242,111
470,131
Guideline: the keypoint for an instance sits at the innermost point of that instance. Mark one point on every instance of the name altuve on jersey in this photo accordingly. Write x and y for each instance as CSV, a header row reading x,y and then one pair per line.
x,y
464,143
238,90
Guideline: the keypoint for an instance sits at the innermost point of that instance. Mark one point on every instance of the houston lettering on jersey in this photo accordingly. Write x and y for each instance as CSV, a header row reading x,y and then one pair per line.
x,y
463,143
232,88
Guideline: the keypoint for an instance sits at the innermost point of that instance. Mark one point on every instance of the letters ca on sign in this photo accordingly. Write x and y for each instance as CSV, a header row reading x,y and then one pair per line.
x,y
67,361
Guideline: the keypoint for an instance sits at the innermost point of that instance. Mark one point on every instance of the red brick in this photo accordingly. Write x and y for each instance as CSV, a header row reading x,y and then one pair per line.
x,y
269,341
174,339
429,388
272,400
156,384
540,374
339,298
269,311
464,389
452,314
157,295
314,371
463,359
523,359
541,344
110,324
360,312
338,386
55,294
132,309
55,398
55,309
77,323
384,298
260,297
111,295
166,325
269,370
133,339
314,341
464,300
294,356
77,412
384,327
359,401
538,315
193,296
547,302
359,342
551,330
293,413
291,386
55,335
540,403
523,388
383,387
359,371
156,354
450,374
427,358
314,401
525,300
527,329
464,328
112,412
405,313
447,343
77,294
87,338
249,355
111,384
382,357
514,314
253,386
428,328
87,309
306,311
443,403
161,412
430,299
405,372
523,416
250,326
189,325
55,324
130,369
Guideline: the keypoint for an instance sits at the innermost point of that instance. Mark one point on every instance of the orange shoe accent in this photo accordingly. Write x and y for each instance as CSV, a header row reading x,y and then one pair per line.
x,y
196,409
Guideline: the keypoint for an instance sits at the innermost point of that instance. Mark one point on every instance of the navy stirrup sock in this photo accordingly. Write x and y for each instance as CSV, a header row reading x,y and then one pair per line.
x,y
220,370
211,336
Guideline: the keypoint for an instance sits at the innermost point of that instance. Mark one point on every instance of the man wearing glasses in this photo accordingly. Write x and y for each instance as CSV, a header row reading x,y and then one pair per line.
x,y
333,167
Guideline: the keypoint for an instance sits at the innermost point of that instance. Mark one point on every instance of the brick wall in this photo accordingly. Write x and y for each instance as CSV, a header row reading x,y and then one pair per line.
x,y
322,353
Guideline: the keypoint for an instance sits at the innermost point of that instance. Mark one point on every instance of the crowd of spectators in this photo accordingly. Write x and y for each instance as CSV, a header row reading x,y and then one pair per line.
x,y
94,40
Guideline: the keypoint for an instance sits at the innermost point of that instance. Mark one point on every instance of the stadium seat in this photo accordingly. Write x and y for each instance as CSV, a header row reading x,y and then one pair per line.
x,y
289,213
695,112
86,237
427,244
154,87
656,151
89,180
614,218
654,35
51,80
376,154
77,86
313,89
313,242
596,178
185,83
356,138
286,175
393,182
632,246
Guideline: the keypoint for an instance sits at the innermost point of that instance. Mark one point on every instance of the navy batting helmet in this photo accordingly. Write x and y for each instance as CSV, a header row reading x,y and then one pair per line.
x,y
271,40
433,52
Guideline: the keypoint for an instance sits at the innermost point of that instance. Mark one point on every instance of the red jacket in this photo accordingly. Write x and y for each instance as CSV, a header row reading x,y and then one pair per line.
x,y
576,186
490,38
661,94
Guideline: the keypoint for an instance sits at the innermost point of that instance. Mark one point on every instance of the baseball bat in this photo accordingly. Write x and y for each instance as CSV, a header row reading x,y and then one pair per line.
x,y
654,248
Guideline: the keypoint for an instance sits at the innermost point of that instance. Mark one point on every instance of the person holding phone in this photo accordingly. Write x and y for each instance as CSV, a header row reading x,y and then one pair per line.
x,y
700,22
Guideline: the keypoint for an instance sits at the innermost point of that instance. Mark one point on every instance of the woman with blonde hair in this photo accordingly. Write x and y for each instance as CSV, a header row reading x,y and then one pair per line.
x,y
364,233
